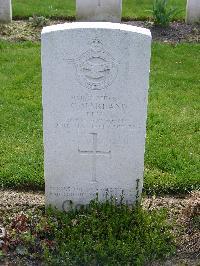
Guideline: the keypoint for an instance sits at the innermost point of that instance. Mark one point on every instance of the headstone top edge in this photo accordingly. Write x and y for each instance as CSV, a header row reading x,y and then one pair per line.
x,y
96,25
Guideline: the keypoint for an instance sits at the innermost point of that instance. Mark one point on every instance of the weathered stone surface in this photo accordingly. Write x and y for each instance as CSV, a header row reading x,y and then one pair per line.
x,y
99,10
95,87
193,11
5,11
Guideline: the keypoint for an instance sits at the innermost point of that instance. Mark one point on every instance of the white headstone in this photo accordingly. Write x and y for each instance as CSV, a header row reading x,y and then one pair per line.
x,y
193,11
95,87
99,10
5,11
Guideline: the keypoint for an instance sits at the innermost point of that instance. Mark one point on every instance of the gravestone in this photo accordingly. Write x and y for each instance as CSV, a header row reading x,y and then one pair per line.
x,y
95,87
5,11
193,11
99,10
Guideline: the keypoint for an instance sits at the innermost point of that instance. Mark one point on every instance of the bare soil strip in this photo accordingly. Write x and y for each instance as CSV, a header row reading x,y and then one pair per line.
x,y
177,32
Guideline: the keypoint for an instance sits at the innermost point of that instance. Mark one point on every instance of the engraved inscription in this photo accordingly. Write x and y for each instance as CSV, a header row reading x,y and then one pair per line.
x,y
92,105
80,192
98,112
94,153
99,123
96,69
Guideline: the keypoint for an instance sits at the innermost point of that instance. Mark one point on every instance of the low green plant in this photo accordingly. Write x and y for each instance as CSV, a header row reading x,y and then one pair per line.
x,y
109,233
39,21
162,14
2,255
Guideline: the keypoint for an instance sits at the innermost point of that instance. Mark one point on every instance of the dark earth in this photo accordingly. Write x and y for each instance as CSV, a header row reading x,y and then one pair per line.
x,y
177,32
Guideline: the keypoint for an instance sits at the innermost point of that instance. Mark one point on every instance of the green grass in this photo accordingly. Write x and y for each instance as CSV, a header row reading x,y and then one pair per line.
x,y
58,8
21,115
172,158
173,147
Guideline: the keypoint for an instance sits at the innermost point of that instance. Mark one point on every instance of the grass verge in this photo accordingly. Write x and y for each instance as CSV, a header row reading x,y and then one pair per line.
x,y
172,146
133,9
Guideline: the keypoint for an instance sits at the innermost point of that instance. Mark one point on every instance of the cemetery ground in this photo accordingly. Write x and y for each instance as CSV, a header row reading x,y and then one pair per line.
x,y
172,144
134,9
103,234
171,162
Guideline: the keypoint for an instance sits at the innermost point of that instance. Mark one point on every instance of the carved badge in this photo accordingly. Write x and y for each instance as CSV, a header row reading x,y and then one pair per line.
x,y
96,69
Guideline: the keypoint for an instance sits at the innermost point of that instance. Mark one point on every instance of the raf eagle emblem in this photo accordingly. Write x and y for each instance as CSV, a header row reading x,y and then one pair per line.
x,y
96,69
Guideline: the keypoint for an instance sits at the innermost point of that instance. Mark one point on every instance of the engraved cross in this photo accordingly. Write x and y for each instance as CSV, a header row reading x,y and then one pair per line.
x,y
94,152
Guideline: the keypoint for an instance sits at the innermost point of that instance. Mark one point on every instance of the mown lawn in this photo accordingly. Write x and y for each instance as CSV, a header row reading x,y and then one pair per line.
x,y
172,158
137,9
